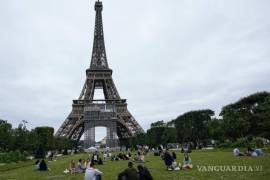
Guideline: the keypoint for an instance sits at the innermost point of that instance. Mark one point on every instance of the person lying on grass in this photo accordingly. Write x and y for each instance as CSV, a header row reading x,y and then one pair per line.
x,y
237,152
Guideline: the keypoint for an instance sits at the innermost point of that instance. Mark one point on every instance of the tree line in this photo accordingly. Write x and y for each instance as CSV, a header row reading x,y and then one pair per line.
x,y
248,117
28,142
245,119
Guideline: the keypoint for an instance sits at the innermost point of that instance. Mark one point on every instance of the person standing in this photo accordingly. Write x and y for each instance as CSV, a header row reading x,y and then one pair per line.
x,y
168,159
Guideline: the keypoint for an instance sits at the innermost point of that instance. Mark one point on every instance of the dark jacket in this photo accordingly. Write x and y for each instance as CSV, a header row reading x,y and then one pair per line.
x,y
168,159
130,174
145,174
43,166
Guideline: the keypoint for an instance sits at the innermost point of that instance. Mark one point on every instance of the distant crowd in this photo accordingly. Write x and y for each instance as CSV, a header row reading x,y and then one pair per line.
x,y
87,166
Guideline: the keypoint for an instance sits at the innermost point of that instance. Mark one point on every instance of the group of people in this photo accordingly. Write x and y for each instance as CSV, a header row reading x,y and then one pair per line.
x,y
139,156
80,167
131,173
82,164
171,162
250,152
40,165
121,156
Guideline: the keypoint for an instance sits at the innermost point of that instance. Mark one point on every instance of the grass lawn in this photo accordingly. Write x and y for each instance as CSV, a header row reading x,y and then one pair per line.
x,y
24,170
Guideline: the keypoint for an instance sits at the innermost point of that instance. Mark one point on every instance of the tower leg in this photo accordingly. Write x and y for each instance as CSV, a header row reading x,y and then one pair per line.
x,y
89,138
111,140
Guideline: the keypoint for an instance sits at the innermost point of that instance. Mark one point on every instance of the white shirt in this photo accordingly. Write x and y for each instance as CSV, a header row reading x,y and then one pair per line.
x,y
90,173
236,152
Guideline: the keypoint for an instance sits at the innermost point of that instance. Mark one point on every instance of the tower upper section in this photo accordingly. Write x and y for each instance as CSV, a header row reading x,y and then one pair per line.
x,y
99,58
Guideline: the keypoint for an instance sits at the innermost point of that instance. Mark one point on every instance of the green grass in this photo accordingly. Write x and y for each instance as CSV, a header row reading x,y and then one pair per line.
x,y
24,170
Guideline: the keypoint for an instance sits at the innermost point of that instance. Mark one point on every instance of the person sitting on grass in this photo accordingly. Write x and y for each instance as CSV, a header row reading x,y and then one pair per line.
x,y
144,173
187,162
91,173
80,168
139,158
141,155
249,151
86,163
72,167
43,166
36,165
168,159
129,174
95,157
237,152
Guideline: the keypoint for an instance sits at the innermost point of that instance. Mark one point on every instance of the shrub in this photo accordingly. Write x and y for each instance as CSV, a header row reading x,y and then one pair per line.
x,y
12,156
241,142
257,142
226,144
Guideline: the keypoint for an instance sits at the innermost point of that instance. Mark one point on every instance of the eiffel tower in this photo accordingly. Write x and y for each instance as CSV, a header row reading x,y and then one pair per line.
x,y
110,112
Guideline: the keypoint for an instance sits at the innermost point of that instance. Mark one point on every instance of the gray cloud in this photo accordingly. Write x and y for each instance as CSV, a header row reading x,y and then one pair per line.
x,y
167,57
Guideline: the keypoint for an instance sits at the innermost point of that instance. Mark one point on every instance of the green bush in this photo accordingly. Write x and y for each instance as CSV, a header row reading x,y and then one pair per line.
x,y
241,142
225,144
12,156
257,142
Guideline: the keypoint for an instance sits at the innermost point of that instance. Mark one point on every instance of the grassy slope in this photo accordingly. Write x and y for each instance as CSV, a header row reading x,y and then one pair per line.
x,y
156,166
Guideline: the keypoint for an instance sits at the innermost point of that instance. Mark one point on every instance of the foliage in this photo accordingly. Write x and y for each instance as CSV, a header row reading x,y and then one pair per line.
x,y
154,137
193,126
248,116
158,124
243,143
5,135
37,141
257,142
12,156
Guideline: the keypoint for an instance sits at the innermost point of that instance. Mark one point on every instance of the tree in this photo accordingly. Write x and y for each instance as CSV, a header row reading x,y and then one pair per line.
x,y
248,116
154,136
20,136
193,126
264,124
169,135
215,129
158,124
5,135
62,143
44,140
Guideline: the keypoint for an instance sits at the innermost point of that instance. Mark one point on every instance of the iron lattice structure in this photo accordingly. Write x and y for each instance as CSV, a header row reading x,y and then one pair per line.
x,y
110,112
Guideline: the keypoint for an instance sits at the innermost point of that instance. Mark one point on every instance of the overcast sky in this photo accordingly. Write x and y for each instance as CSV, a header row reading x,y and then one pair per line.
x,y
168,57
